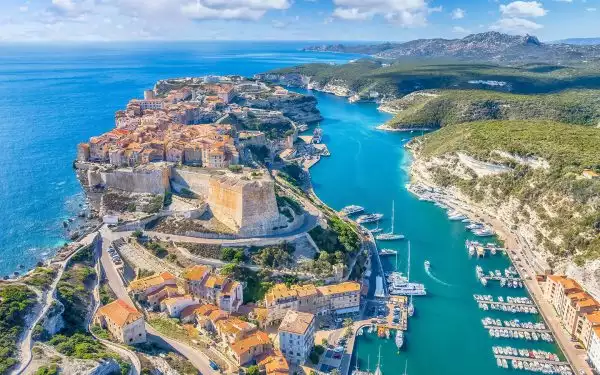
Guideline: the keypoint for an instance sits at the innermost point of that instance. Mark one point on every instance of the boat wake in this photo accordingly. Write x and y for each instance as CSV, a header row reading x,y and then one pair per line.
x,y
436,279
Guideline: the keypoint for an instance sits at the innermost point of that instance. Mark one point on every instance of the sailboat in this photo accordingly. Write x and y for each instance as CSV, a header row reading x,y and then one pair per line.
x,y
399,339
378,369
405,367
405,287
376,229
390,236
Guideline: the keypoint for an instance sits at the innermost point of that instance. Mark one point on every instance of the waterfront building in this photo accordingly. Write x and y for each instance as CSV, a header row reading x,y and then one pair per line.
x,y
577,310
296,336
175,305
123,321
203,283
246,350
334,299
594,349
141,288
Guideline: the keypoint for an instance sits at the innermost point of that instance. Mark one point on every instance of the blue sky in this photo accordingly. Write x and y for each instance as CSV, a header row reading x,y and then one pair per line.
x,y
366,20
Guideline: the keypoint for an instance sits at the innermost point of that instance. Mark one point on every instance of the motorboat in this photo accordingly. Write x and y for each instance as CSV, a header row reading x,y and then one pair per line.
x,y
371,218
388,252
399,339
350,210
427,266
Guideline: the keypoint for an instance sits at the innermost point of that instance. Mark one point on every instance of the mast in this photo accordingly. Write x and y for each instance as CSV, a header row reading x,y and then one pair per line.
x,y
368,363
406,367
408,271
393,216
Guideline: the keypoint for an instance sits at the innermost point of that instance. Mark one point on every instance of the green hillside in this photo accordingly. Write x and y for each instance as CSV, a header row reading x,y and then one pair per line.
x,y
434,109
566,204
409,75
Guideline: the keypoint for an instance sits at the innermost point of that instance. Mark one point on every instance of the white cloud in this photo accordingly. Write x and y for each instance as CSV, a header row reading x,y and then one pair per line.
x,y
460,30
515,25
458,14
591,9
408,13
523,9
23,8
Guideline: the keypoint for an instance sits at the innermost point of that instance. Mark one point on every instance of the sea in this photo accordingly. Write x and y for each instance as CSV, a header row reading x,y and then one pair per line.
x,y
55,96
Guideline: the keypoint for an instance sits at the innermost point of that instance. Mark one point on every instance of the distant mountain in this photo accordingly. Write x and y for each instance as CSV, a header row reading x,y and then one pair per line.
x,y
579,41
488,46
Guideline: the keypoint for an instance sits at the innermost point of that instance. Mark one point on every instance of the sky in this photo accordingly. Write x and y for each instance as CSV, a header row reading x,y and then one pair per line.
x,y
327,20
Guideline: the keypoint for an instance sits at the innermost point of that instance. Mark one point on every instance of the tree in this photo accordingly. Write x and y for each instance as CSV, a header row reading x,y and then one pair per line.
x,y
137,233
348,322
252,370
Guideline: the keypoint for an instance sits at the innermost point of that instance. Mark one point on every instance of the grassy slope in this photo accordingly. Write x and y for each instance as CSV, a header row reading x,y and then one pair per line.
x,y
568,148
407,76
456,106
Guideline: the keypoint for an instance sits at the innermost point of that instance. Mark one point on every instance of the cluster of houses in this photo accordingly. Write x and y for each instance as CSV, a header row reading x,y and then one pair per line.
x,y
578,312
213,304
180,126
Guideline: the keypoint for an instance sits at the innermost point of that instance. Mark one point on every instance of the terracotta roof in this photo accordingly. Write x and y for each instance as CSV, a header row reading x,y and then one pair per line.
x,y
345,287
214,281
229,287
206,309
150,281
195,273
234,325
217,315
256,339
296,322
565,282
173,300
274,363
168,288
120,313
593,318
190,310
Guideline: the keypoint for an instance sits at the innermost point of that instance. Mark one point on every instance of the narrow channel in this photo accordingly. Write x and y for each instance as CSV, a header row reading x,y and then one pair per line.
x,y
368,167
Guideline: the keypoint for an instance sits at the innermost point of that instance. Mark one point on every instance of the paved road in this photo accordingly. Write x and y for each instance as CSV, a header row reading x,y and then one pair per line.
x,y
50,296
197,358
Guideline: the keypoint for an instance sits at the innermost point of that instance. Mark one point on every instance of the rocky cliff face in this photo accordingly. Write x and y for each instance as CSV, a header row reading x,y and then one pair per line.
x,y
298,108
530,222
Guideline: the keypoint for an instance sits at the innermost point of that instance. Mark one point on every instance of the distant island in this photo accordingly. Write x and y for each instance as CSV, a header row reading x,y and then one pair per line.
x,y
490,46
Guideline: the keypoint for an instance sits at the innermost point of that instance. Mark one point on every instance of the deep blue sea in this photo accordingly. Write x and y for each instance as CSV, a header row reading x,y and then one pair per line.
x,y
55,96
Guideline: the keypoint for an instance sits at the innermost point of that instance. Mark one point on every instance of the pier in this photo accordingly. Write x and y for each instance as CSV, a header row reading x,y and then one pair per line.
x,y
381,290
518,329
476,248
528,359
511,304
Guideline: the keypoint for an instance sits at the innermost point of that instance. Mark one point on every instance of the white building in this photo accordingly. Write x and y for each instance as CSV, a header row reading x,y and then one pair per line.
x,y
297,336
594,349
174,305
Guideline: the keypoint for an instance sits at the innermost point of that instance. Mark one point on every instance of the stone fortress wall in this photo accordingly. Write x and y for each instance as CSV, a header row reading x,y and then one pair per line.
x,y
243,202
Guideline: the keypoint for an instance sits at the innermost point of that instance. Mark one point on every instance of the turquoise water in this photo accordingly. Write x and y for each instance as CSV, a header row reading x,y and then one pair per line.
x,y
55,96
369,168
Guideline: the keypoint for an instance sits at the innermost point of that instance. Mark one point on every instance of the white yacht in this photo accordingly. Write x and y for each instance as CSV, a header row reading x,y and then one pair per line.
x,y
369,218
411,307
456,216
350,210
388,252
401,286
484,232
427,266
399,339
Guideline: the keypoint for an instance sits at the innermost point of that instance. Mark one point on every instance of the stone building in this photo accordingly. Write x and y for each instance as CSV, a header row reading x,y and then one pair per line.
x,y
296,336
123,321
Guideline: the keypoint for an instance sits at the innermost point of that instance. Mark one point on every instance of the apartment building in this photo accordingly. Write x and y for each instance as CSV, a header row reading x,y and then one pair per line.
x,y
123,321
296,336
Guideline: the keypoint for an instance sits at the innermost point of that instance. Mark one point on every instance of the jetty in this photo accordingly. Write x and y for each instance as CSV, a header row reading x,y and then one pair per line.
x,y
518,329
535,360
481,250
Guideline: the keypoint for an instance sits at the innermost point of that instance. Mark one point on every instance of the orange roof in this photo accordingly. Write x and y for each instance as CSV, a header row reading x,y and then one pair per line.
x,y
234,325
582,299
195,273
274,363
217,315
189,310
214,281
150,281
593,318
597,331
168,288
206,309
120,313
229,287
173,300
345,287
565,282
243,346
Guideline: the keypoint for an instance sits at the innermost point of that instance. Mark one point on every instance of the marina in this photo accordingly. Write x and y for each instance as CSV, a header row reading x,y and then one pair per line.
x,y
438,321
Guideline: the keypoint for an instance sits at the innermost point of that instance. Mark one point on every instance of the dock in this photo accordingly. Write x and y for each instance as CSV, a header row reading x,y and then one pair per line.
x,y
507,303
476,248
402,302
530,330
528,359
